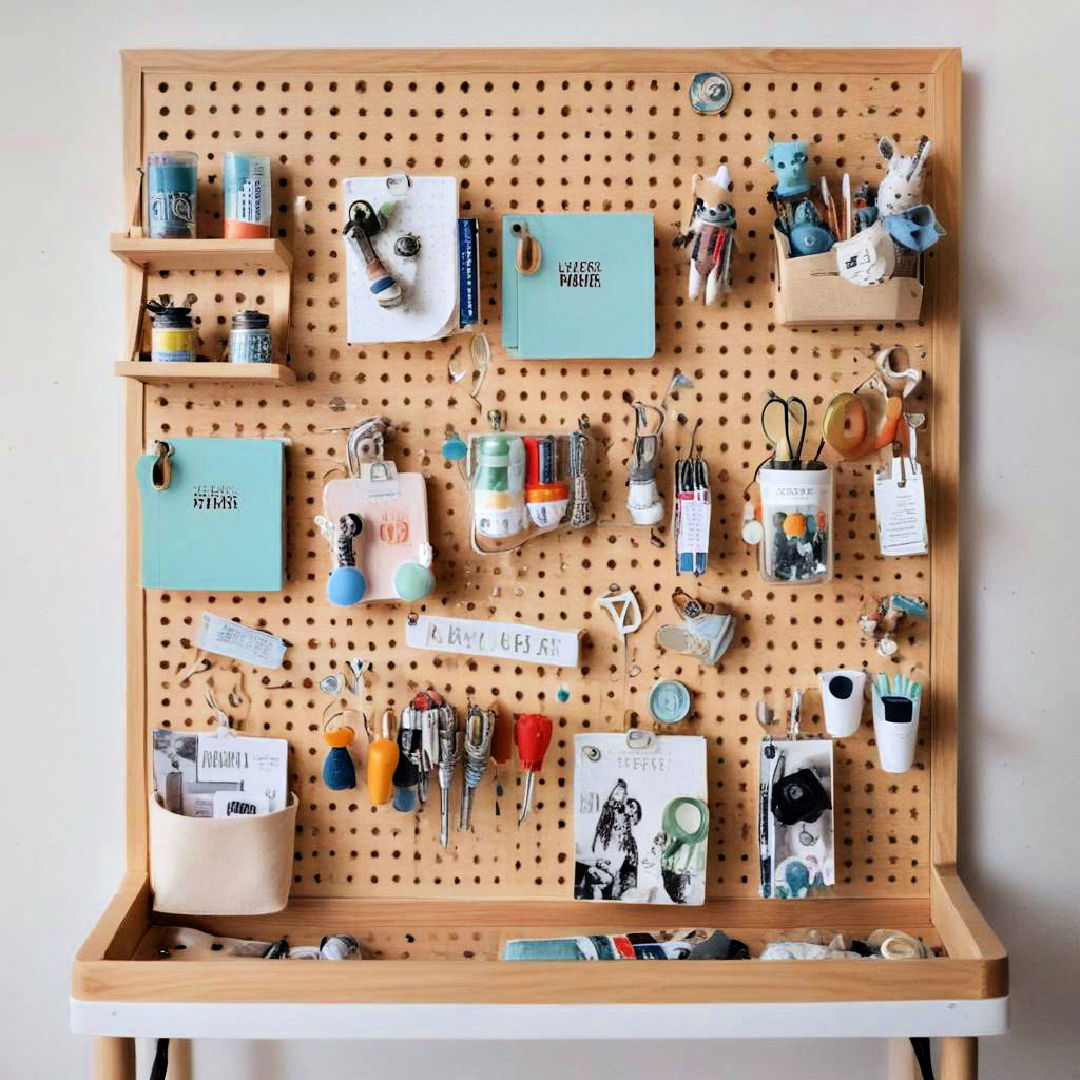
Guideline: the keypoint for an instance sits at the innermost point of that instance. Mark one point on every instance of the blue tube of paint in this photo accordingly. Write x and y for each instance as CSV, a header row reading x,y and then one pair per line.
x,y
171,185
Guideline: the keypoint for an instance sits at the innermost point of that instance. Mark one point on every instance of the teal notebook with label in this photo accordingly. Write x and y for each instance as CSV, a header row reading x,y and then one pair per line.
x,y
594,295
220,524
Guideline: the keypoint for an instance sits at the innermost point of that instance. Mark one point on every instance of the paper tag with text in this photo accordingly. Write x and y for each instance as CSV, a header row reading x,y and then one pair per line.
x,y
900,506
228,638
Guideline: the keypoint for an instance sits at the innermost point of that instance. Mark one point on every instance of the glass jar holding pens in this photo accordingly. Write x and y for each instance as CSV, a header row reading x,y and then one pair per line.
x,y
792,520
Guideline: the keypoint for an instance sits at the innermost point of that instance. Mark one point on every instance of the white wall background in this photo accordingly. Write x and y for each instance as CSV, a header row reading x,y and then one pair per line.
x,y
60,469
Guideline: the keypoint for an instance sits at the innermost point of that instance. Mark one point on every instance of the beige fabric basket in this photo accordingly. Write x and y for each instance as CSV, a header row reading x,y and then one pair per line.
x,y
221,866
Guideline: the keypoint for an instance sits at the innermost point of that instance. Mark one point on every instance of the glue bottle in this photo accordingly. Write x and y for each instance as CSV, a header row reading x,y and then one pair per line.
x,y
499,489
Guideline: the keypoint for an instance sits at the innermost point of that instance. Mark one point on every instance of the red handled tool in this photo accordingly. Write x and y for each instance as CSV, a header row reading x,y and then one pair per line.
x,y
532,735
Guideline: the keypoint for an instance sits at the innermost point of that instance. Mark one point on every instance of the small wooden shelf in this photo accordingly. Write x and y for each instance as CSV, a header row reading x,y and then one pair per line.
x,y
202,254
207,371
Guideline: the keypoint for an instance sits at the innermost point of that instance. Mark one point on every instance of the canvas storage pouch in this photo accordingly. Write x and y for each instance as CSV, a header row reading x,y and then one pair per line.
x,y
221,865
797,519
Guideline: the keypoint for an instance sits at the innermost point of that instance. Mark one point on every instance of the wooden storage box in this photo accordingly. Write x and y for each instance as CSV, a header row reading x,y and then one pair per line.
x,y
810,292
446,952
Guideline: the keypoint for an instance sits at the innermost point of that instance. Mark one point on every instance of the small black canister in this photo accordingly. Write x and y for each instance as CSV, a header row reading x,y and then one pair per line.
x,y
249,338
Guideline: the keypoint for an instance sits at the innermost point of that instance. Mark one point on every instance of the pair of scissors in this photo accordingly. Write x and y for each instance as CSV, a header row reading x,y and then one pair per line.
x,y
793,416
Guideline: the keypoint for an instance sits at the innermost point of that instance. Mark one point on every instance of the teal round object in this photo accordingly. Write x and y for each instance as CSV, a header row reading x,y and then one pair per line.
x,y
413,581
454,449
710,92
562,694
669,701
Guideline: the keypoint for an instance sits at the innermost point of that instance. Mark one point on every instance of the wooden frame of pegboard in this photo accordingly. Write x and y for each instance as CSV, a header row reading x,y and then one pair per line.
x,y
931,899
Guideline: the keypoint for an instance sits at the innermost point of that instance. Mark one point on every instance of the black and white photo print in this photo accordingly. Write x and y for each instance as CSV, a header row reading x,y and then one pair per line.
x,y
641,820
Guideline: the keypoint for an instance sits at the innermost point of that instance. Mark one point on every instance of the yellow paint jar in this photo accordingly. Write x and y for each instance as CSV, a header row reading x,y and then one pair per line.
x,y
172,340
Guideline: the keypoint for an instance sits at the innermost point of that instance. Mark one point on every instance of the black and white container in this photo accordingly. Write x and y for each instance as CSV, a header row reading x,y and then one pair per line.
x,y
796,545
842,698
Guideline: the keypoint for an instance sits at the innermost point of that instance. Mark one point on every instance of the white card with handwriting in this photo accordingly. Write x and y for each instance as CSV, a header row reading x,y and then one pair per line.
x,y
503,641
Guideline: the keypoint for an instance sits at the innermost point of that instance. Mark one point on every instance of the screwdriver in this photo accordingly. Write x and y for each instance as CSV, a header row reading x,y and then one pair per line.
x,y
479,726
383,757
532,734
429,706
449,756
502,750
407,773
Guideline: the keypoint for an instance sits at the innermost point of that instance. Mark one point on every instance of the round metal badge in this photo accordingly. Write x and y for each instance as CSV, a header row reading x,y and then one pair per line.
x,y
710,92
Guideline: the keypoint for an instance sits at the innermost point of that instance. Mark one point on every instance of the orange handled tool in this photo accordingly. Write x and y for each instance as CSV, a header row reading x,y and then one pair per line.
x,y
383,754
532,735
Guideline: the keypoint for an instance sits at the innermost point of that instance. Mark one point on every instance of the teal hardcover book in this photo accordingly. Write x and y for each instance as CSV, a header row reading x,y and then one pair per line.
x,y
594,294
220,523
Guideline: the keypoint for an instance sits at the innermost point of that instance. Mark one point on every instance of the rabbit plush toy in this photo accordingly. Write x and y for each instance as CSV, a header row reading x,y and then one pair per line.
x,y
902,186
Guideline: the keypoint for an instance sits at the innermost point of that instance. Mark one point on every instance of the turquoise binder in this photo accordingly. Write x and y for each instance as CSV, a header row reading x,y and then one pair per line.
x,y
594,296
220,524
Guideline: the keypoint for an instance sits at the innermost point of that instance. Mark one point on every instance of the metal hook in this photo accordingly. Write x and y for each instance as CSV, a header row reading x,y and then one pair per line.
x,y
796,714
220,715
372,430
161,472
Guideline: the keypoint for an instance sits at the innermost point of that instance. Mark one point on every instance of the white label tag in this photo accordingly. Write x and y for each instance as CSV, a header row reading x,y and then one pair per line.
x,y
227,638
695,512
900,505
240,803
505,641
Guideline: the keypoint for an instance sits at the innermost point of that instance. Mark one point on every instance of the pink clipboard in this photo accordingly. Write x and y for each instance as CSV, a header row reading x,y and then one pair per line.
x,y
393,507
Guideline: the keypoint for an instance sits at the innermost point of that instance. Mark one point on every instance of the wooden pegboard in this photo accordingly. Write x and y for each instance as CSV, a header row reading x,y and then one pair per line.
x,y
552,141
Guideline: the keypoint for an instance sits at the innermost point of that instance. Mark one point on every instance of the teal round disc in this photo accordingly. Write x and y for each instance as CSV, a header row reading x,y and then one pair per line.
x,y
413,582
710,92
454,449
669,701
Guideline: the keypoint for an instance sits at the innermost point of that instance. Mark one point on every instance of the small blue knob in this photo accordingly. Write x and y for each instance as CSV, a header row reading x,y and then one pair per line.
x,y
345,586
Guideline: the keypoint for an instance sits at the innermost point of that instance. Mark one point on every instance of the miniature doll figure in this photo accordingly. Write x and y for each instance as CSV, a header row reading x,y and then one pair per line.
x,y
790,161
710,236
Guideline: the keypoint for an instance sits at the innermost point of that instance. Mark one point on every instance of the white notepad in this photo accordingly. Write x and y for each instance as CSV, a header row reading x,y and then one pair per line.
x,y
427,207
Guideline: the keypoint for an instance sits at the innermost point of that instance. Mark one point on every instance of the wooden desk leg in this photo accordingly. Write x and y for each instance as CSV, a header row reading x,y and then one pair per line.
x,y
113,1059
902,1064
180,1059
960,1058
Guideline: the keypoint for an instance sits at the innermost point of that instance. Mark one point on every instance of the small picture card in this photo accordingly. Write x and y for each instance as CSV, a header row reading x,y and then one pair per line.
x,y
239,803
503,641
795,817
192,770
641,818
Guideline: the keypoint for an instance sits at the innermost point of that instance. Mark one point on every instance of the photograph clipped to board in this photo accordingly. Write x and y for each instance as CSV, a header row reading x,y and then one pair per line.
x,y
795,817
641,818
